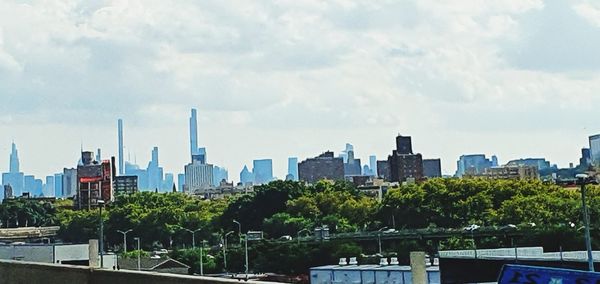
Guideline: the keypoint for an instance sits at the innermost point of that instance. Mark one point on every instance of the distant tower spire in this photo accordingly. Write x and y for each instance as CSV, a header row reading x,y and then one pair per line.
x,y
14,159
120,142
193,133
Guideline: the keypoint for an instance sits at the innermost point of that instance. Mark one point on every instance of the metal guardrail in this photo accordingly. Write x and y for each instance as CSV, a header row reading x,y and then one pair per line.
x,y
420,234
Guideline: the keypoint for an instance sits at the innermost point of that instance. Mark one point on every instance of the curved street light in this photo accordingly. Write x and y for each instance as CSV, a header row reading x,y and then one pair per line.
x,y
193,236
472,228
239,230
225,249
125,238
379,239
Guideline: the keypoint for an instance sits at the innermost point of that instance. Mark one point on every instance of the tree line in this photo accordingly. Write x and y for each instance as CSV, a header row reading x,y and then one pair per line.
x,y
550,213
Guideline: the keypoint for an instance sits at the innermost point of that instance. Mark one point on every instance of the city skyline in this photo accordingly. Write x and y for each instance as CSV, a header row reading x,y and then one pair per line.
x,y
280,168
504,79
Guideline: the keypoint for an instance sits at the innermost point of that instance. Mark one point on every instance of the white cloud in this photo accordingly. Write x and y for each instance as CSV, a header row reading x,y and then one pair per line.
x,y
266,74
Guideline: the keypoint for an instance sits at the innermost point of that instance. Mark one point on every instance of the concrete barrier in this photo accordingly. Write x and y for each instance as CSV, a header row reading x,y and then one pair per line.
x,y
17,272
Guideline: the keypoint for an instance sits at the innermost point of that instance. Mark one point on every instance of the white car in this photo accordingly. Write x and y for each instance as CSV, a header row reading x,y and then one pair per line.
x,y
472,227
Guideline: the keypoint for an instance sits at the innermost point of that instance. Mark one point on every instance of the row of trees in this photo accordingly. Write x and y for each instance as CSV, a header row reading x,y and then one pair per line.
x,y
285,208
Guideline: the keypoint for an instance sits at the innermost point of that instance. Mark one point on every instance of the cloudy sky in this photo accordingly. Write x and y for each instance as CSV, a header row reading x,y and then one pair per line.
x,y
272,79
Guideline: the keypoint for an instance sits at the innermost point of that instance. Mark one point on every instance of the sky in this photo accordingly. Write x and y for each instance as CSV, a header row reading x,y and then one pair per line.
x,y
273,79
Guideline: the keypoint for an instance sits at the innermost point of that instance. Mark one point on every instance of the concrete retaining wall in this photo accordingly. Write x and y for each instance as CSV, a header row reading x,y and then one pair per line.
x,y
17,272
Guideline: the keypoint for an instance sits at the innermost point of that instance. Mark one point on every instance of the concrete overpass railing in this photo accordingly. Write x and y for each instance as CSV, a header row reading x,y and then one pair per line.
x,y
18,272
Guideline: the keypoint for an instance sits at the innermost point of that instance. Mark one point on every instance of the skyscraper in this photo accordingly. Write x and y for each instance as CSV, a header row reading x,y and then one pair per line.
x,y
180,182
120,141
58,185
14,177
246,177
473,164
352,166
69,184
293,167
155,172
595,149
14,159
198,177
324,166
373,164
193,133
432,168
48,189
403,164
219,174
263,171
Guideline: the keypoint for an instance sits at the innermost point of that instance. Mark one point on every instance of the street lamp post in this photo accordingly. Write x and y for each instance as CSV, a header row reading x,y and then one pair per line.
x,y
193,236
201,256
225,250
239,230
583,179
125,238
246,240
299,232
101,237
472,229
379,239
139,262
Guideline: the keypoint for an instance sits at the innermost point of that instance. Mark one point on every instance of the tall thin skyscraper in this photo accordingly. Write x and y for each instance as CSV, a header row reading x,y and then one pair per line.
x,y
14,177
193,133
14,159
120,137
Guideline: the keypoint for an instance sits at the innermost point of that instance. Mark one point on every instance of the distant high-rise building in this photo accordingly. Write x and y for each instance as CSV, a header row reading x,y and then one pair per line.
x,y
180,182
8,193
352,166
58,185
95,181
198,177
293,168
494,161
39,187
475,164
403,164
432,168
99,155
324,166
344,153
246,176
404,145
125,185
14,177
586,159
120,142
29,181
193,133
155,172
168,183
383,169
200,156
263,171
219,175
142,175
48,190
373,164
595,149
14,159
69,184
